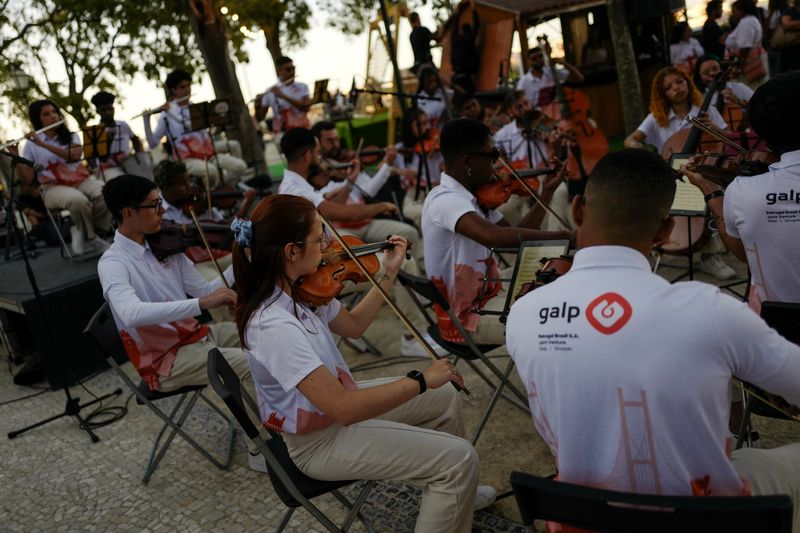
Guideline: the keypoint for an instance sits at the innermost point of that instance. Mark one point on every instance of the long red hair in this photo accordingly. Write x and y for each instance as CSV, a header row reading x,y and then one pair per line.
x,y
659,105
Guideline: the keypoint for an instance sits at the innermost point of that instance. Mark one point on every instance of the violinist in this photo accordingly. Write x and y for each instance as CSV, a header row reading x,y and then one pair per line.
x,y
458,233
195,148
301,149
166,344
419,164
672,97
122,137
430,84
539,78
732,92
662,397
64,179
757,215
289,99
408,428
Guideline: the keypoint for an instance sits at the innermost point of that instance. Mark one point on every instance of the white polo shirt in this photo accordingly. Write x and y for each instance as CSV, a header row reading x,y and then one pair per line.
x,y
434,108
286,341
747,34
509,138
764,212
365,184
657,135
435,163
628,375
454,262
739,90
120,145
532,85
149,303
294,183
285,115
52,163
683,51
176,124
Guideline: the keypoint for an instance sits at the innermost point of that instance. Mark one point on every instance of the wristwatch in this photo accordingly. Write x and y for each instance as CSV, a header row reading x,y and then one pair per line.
x,y
419,378
713,194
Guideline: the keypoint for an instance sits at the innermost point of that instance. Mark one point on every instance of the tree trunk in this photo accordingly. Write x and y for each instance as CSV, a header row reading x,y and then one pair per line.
x,y
630,89
272,35
211,35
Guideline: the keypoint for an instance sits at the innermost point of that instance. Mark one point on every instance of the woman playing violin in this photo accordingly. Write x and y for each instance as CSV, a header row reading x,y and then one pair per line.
x,y
406,428
65,181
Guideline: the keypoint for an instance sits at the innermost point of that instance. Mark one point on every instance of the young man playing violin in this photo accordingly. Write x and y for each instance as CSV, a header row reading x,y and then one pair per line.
x,y
301,149
623,402
756,216
166,344
459,232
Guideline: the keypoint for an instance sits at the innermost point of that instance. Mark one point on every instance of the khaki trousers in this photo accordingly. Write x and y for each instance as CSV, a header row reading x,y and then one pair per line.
x,y
773,471
233,168
209,272
419,442
85,204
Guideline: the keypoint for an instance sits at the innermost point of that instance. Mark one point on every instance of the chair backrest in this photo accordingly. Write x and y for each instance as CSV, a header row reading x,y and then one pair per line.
x,y
784,317
103,331
621,512
227,385
424,287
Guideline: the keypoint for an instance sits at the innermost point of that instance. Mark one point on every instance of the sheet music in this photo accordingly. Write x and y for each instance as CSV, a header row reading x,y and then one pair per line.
x,y
688,198
528,263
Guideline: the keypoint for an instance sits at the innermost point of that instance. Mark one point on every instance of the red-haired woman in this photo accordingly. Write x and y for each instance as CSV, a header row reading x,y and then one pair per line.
x,y
673,95
335,428
64,179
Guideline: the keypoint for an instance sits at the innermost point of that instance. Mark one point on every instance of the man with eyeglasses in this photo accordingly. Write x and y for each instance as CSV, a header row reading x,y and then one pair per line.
x,y
156,321
289,99
458,233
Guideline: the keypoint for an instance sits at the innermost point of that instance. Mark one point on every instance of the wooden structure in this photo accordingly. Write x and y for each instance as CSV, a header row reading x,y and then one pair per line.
x,y
500,20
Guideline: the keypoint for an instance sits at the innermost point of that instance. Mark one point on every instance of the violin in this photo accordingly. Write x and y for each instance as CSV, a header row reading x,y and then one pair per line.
x,y
552,269
336,267
723,169
495,193
174,238
222,197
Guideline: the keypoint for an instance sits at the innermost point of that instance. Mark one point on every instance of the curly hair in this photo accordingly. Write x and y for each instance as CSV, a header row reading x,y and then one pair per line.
x,y
659,105
167,171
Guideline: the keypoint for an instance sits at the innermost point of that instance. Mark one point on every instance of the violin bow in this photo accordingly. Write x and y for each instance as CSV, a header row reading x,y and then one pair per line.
x,y
762,398
534,195
714,133
208,247
403,318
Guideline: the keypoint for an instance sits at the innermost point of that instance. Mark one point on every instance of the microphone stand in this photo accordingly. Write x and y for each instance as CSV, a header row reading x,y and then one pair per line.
x,y
73,405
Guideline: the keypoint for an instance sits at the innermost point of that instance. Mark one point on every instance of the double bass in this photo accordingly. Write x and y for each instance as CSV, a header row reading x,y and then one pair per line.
x,y
571,111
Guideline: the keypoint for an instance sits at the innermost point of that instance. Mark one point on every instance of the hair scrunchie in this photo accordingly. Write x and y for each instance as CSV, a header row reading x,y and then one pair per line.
x,y
242,232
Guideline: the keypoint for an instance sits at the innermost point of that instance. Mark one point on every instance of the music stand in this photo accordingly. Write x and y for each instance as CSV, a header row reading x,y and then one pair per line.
x,y
320,88
206,115
688,202
97,144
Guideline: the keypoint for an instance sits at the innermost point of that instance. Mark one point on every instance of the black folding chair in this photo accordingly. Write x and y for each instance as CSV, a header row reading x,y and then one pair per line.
x,y
609,511
293,487
469,351
103,332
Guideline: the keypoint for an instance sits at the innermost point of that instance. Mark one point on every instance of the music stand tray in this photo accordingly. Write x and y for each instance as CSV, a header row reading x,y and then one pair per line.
x,y
528,263
205,115
320,88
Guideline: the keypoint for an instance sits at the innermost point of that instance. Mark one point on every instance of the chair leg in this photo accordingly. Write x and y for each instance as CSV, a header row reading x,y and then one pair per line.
x,y
157,452
519,400
285,520
496,396
355,507
231,435
745,429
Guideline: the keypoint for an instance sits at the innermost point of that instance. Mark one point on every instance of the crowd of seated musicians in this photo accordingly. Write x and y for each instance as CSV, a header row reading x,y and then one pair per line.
x,y
609,306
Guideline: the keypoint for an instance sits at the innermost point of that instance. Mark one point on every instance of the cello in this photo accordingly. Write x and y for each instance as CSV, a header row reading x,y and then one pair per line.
x,y
572,112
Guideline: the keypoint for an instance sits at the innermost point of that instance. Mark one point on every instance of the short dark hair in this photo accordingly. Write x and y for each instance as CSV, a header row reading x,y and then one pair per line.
x,y
322,125
296,142
126,191
175,77
713,6
461,136
630,192
103,98
413,16
748,7
774,113
166,172
282,60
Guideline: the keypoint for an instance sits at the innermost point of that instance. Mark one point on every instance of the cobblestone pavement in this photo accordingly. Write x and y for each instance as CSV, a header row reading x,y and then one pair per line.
x,y
54,479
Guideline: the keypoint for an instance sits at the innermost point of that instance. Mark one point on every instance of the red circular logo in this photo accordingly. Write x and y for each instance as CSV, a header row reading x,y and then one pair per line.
x,y
608,313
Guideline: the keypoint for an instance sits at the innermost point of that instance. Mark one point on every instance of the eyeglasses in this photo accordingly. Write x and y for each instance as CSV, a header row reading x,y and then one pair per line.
x,y
493,154
324,241
155,205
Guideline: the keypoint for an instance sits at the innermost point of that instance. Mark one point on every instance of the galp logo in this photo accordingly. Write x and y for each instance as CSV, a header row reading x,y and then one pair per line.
x,y
608,313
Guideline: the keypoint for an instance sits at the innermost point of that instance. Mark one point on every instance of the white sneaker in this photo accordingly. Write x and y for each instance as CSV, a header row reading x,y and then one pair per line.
x,y
258,463
715,266
412,348
78,241
99,245
484,497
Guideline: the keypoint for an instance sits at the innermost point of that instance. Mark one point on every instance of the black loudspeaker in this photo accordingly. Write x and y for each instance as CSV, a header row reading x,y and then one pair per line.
x,y
68,311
